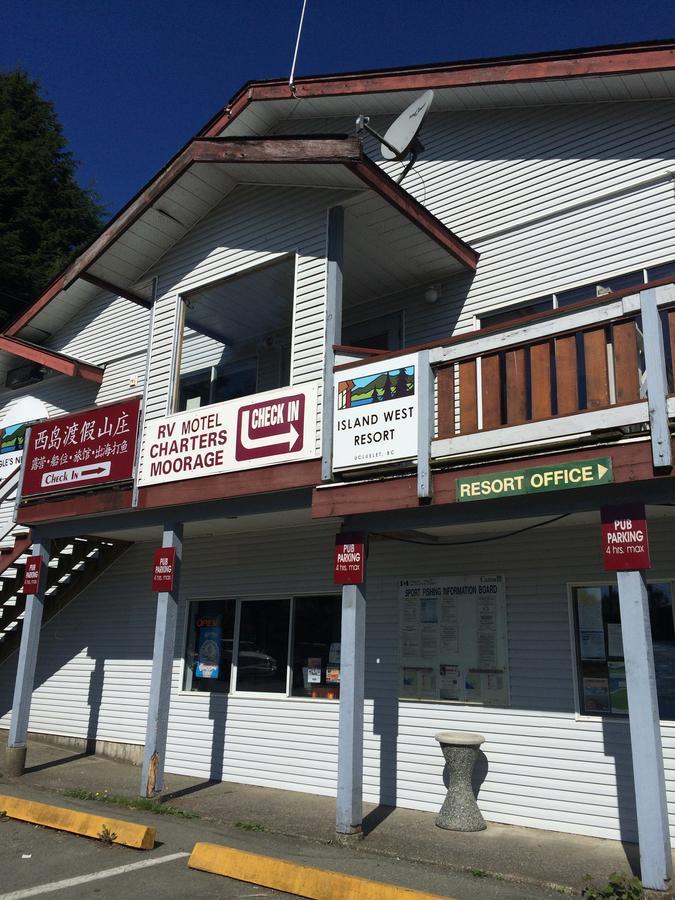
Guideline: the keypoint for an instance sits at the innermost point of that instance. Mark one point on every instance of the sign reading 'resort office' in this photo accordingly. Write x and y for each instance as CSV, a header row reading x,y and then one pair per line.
x,y
275,427
375,416
536,480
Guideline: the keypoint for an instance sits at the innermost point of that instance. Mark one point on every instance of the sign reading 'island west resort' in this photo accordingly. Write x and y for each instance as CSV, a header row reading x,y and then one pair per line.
x,y
376,413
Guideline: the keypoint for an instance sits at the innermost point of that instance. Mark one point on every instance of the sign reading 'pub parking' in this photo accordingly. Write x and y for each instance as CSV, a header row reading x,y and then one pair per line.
x,y
625,542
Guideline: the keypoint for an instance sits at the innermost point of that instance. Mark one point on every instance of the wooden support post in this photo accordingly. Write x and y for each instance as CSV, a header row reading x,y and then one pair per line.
x,y
645,732
15,756
425,424
657,381
350,741
152,773
334,267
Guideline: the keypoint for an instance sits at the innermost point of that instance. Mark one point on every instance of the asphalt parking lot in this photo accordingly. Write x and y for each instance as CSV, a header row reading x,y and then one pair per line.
x,y
38,861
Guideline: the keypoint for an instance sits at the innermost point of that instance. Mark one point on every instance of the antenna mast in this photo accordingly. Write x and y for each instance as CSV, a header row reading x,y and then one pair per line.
x,y
291,80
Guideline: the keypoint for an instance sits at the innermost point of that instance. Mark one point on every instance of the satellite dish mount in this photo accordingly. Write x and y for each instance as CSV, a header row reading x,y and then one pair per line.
x,y
401,138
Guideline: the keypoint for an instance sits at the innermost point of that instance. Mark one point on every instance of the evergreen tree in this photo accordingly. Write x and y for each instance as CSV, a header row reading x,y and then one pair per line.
x,y
45,216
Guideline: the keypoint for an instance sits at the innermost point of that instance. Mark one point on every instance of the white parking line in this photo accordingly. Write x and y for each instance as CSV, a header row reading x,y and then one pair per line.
x,y
85,879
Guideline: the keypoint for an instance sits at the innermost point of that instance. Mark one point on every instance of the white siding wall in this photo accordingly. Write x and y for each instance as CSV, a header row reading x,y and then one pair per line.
x,y
489,170
108,328
109,331
546,767
252,226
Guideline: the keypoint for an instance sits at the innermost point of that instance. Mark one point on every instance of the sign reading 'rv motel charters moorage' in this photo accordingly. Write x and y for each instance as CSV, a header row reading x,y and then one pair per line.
x,y
279,426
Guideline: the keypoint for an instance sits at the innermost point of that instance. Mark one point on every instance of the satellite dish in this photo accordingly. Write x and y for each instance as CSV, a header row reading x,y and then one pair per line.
x,y
401,134
401,139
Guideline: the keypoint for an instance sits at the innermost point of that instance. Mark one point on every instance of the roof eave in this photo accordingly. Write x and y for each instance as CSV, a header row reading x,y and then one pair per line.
x,y
608,60
59,362
326,150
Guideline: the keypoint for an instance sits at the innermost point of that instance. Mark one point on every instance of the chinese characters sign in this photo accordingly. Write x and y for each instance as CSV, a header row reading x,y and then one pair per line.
x,y
86,449
163,569
625,543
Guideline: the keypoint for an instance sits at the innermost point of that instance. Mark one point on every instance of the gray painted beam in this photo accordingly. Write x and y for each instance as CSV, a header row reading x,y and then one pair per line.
x,y
645,732
334,267
146,389
425,424
25,672
657,381
154,753
237,507
349,816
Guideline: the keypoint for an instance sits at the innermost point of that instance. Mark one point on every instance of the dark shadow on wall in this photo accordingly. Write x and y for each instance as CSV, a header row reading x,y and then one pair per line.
x,y
94,700
616,739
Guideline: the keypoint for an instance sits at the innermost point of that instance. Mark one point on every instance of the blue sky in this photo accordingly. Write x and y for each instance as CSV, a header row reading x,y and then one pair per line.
x,y
132,80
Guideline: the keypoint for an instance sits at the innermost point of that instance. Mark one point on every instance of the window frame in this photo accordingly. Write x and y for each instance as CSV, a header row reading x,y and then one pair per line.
x,y
214,372
579,715
234,693
393,323
182,302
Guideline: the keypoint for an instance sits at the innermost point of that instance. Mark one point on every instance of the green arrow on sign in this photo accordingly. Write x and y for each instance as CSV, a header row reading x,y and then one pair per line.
x,y
536,480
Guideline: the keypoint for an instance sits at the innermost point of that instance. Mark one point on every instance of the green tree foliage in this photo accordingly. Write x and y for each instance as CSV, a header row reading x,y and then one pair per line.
x,y
45,216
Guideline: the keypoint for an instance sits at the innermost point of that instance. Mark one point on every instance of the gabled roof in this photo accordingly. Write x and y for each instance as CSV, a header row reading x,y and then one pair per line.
x,y
324,161
630,70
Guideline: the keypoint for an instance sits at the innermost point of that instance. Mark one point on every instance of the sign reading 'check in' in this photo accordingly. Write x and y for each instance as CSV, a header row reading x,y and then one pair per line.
x,y
275,427
536,480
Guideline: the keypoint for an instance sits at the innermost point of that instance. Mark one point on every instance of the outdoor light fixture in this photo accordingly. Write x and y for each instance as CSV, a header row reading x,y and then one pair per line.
x,y
431,293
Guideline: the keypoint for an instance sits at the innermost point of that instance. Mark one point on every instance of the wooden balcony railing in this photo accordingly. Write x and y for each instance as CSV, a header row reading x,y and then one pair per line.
x,y
555,378
593,372
588,369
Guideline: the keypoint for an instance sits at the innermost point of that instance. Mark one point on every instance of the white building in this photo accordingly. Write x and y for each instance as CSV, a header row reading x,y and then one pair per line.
x,y
517,264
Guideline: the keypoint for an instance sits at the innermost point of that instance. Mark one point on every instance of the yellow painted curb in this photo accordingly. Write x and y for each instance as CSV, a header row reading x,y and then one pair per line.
x,y
317,884
128,833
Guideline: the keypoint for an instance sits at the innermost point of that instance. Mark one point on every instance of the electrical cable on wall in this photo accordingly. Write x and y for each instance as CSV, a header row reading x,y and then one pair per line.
x,y
494,537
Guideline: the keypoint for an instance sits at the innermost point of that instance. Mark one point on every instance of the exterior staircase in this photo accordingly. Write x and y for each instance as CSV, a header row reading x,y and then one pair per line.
x,y
74,564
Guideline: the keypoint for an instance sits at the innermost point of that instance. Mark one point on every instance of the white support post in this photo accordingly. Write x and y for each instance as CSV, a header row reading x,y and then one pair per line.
x,y
657,381
350,741
15,756
425,423
334,266
645,732
154,753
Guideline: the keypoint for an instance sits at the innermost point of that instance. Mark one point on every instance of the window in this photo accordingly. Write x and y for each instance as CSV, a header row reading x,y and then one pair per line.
x,y
382,333
577,294
599,648
217,383
236,336
287,646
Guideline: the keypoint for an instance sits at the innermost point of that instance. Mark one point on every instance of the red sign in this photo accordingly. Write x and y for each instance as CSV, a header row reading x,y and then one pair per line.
x,y
89,448
350,559
625,541
163,569
31,575
270,428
